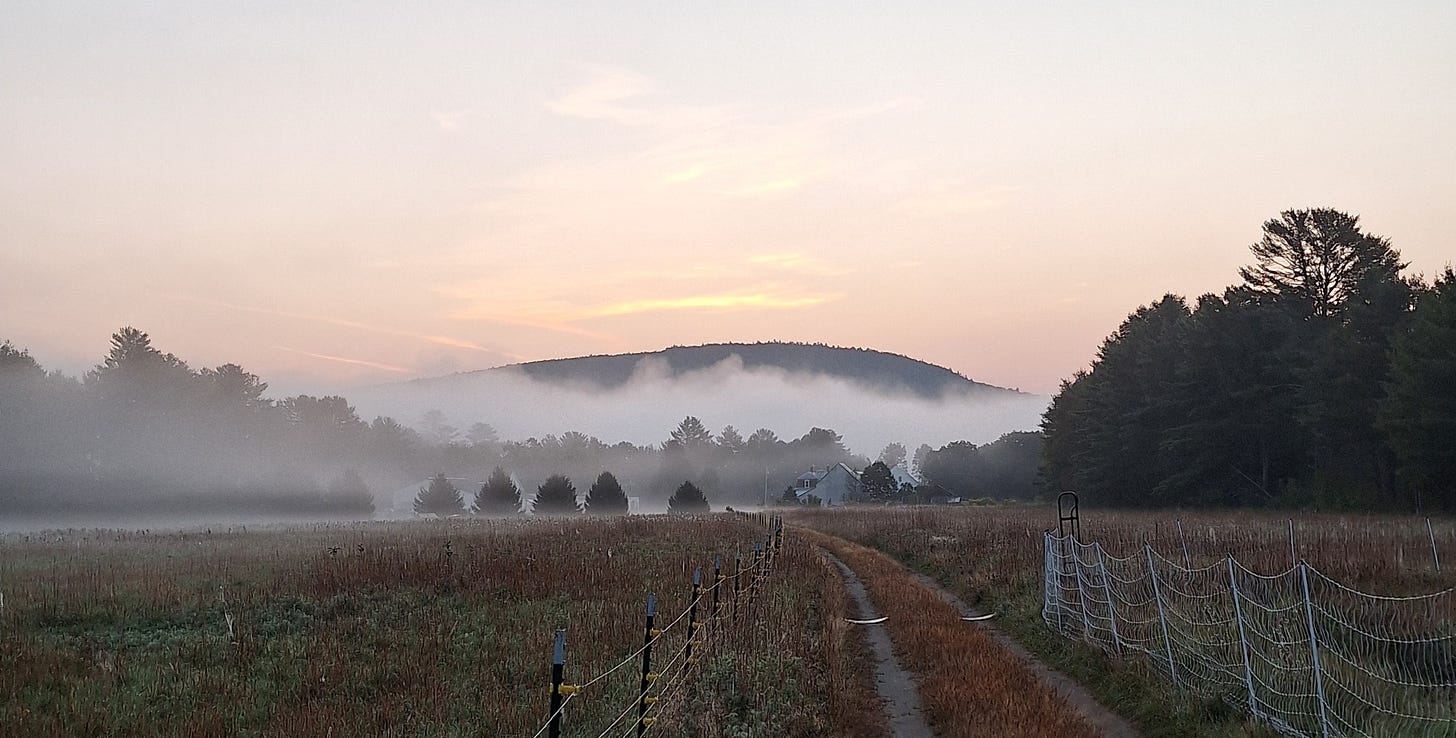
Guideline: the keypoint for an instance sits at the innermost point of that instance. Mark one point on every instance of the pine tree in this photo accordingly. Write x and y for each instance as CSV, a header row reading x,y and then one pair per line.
x,y
1418,415
877,484
687,499
440,498
606,496
498,496
556,497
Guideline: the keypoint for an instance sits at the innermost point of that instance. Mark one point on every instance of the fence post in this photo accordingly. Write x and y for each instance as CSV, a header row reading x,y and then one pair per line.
x,y
1243,640
558,669
1435,555
1319,684
1162,618
1293,557
1046,599
717,582
737,582
1081,593
1054,580
648,635
1183,540
1107,589
693,616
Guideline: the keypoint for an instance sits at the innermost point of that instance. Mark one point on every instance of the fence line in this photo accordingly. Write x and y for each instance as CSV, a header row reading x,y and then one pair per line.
x,y
662,681
1297,650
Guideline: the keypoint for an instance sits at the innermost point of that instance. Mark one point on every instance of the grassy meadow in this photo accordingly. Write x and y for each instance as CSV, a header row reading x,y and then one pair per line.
x,y
430,628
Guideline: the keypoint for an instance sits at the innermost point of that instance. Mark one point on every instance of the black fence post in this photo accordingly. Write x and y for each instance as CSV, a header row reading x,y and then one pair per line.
x,y
737,582
558,669
693,615
648,635
717,585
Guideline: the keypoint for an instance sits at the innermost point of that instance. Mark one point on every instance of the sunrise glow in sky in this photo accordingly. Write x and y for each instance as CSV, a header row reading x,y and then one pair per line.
x,y
342,194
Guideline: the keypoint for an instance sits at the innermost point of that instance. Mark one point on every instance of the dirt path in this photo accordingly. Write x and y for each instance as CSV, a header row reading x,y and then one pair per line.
x,y
1059,687
896,686
1108,722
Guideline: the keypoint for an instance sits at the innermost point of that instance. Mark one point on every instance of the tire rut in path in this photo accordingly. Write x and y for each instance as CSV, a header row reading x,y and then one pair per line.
x,y
895,685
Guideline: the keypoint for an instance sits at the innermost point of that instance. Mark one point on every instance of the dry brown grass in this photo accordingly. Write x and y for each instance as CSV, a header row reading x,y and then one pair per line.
x,y
428,629
970,685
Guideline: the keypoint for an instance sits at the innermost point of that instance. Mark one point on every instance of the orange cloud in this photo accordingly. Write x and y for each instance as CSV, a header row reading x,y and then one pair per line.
x,y
703,302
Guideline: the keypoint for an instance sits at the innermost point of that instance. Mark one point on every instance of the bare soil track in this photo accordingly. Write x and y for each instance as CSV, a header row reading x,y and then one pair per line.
x,y
972,678
896,686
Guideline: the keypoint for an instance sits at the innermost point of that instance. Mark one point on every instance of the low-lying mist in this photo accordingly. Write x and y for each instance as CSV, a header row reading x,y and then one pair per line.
x,y
144,438
650,404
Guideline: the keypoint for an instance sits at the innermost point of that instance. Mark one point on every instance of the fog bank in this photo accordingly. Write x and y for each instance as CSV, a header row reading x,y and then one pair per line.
x,y
653,401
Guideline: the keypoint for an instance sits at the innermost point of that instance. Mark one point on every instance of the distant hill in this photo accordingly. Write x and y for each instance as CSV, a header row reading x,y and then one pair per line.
x,y
877,369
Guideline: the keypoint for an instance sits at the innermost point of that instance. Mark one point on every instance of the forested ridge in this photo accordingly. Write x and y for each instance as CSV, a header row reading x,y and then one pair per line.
x,y
880,370
1325,377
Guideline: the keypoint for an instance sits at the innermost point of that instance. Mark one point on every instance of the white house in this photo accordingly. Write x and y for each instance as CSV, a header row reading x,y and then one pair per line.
x,y
833,485
903,476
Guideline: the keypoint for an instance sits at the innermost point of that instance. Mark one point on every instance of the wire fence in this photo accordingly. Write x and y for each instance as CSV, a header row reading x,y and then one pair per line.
x,y
665,661
1297,650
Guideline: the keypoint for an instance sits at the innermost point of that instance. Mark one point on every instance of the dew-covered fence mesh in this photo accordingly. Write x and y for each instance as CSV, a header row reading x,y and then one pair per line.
x,y
1297,650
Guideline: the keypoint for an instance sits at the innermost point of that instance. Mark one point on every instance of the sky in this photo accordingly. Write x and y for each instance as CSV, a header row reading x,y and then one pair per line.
x,y
339,195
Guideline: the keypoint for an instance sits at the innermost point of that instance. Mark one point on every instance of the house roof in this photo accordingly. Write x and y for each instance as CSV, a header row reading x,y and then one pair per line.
x,y
902,475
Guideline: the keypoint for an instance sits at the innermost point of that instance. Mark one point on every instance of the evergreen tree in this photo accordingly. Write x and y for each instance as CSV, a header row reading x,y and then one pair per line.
x,y
687,499
690,435
498,496
440,498
1319,259
893,454
606,496
918,460
556,497
876,483
731,440
1418,415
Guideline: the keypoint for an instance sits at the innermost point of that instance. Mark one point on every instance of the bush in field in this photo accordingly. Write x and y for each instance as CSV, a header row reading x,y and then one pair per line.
x,y
687,499
440,498
498,496
606,496
349,494
556,497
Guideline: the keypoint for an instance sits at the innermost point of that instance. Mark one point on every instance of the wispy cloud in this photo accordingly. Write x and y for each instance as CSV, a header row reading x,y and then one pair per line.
x,y
719,302
347,360
725,149
448,120
613,94
519,293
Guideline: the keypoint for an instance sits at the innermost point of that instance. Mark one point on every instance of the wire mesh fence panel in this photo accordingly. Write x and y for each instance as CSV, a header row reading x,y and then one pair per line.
x,y
1297,650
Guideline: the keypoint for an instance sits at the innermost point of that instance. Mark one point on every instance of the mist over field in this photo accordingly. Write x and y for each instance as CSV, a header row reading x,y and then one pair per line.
x,y
654,399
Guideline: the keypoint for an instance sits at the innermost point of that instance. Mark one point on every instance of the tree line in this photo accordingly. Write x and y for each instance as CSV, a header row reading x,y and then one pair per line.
x,y
144,433
1325,377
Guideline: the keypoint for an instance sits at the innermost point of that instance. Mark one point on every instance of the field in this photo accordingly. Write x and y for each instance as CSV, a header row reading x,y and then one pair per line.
x,y
993,557
423,629
444,628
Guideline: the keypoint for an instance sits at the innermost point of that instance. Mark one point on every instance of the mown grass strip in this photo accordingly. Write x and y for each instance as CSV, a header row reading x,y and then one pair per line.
x,y
969,685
